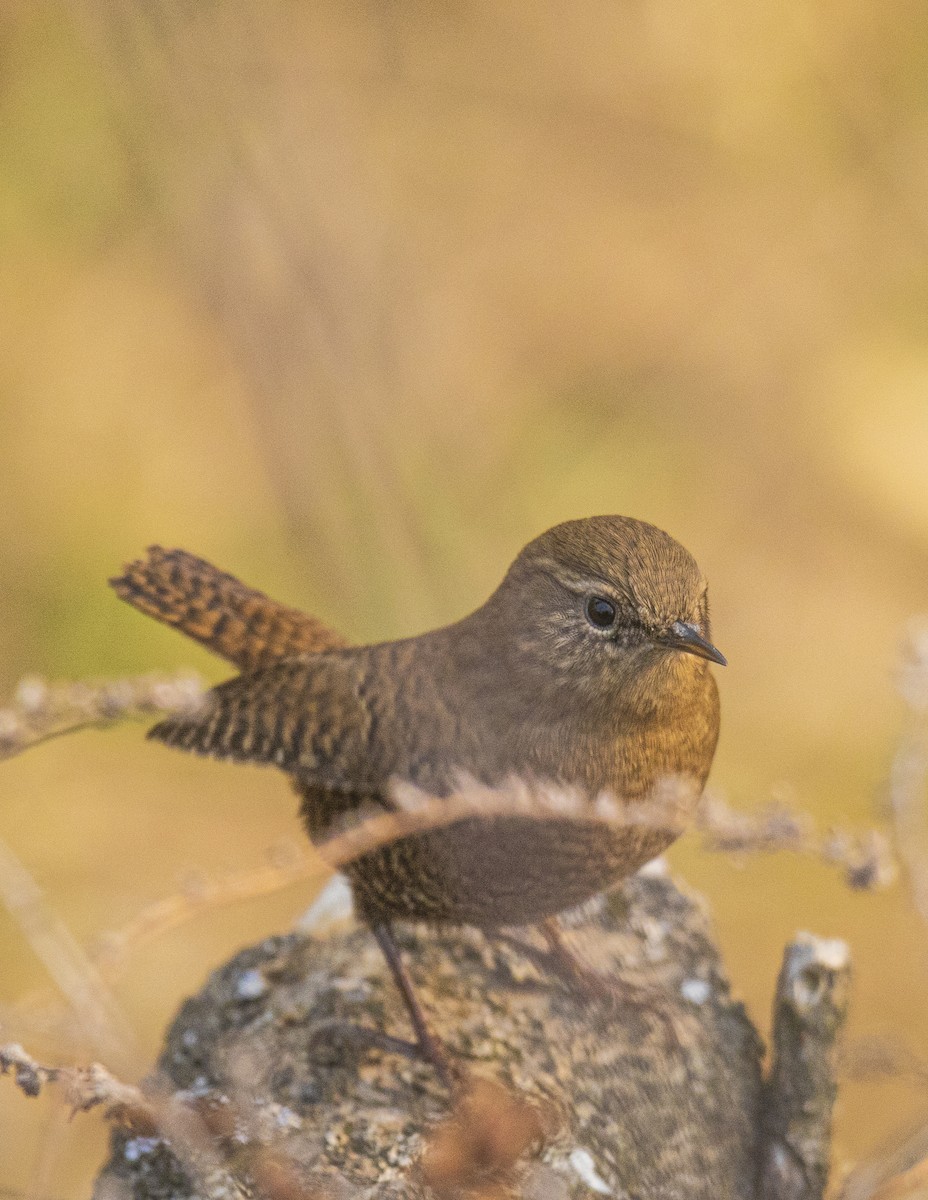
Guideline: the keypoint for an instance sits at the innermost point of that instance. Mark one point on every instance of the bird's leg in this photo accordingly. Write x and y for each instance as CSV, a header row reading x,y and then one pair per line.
x,y
427,1045
430,1046
570,966
564,962
364,1036
585,979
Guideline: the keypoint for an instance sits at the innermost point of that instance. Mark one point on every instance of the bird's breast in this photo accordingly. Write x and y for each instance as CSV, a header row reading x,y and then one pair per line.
x,y
627,752
510,866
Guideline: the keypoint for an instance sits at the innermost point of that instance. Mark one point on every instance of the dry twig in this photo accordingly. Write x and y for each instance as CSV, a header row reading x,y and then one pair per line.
x,y
288,864
41,711
865,858
100,1016
208,1133
84,1088
908,783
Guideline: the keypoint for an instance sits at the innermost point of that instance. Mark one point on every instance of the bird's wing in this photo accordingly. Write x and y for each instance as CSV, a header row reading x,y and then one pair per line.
x,y
233,620
305,716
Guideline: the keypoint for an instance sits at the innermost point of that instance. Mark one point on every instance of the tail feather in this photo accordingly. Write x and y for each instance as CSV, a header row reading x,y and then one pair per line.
x,y
219,611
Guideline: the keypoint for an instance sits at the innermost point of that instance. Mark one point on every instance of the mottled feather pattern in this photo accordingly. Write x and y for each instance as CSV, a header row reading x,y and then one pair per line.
x,y
525,686
303,716
216,609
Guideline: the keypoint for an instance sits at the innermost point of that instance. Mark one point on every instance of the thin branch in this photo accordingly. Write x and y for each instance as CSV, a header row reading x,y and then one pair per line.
x,y
100,1016
41,711
897,1173
289,864
908,782
902,1170
866,858
877,1057
207,1133
84,1088
911,1183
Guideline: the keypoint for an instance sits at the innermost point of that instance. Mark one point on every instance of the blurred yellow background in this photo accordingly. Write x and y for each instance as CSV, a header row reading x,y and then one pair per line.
x,y
354,300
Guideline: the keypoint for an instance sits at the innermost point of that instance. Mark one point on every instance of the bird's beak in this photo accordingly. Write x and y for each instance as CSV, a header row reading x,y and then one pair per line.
x,y
688,638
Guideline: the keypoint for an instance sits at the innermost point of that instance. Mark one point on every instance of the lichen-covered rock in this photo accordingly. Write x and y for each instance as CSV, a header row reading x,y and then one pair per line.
x,y
659,1102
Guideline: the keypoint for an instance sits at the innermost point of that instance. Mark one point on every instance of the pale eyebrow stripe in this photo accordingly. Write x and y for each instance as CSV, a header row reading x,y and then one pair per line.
x,y
588,583
582,583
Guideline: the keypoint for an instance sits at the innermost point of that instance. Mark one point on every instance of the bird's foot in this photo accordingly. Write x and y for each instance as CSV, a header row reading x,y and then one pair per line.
x,y
621,996
428,1050
429,1043
616,994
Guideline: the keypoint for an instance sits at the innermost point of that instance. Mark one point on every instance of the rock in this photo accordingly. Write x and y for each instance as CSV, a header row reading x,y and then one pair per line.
x,y
659,1102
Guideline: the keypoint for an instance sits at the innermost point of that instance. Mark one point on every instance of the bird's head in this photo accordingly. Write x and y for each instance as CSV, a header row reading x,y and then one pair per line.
x,y
606,598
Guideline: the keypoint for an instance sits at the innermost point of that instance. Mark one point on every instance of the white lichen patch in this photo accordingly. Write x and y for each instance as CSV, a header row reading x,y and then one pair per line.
x,y
137,1147
251,985
696,991
584,1166
831,953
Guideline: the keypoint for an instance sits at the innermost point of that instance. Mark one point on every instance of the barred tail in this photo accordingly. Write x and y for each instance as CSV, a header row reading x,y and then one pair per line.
x,y
233,620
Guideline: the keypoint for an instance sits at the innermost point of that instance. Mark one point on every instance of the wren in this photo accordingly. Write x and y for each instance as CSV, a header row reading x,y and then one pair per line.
x,y
587,669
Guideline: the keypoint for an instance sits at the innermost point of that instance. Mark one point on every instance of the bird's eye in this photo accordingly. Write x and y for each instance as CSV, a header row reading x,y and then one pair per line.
x,y
600,612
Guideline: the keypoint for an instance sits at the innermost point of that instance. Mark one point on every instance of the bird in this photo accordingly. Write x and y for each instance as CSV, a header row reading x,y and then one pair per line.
x,y
586,669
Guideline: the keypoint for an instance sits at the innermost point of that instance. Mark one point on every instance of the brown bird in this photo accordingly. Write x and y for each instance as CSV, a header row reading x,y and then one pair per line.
x,y
587,668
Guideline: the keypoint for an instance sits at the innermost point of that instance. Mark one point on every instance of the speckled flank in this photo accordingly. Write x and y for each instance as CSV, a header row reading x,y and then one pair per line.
x,y
526,686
